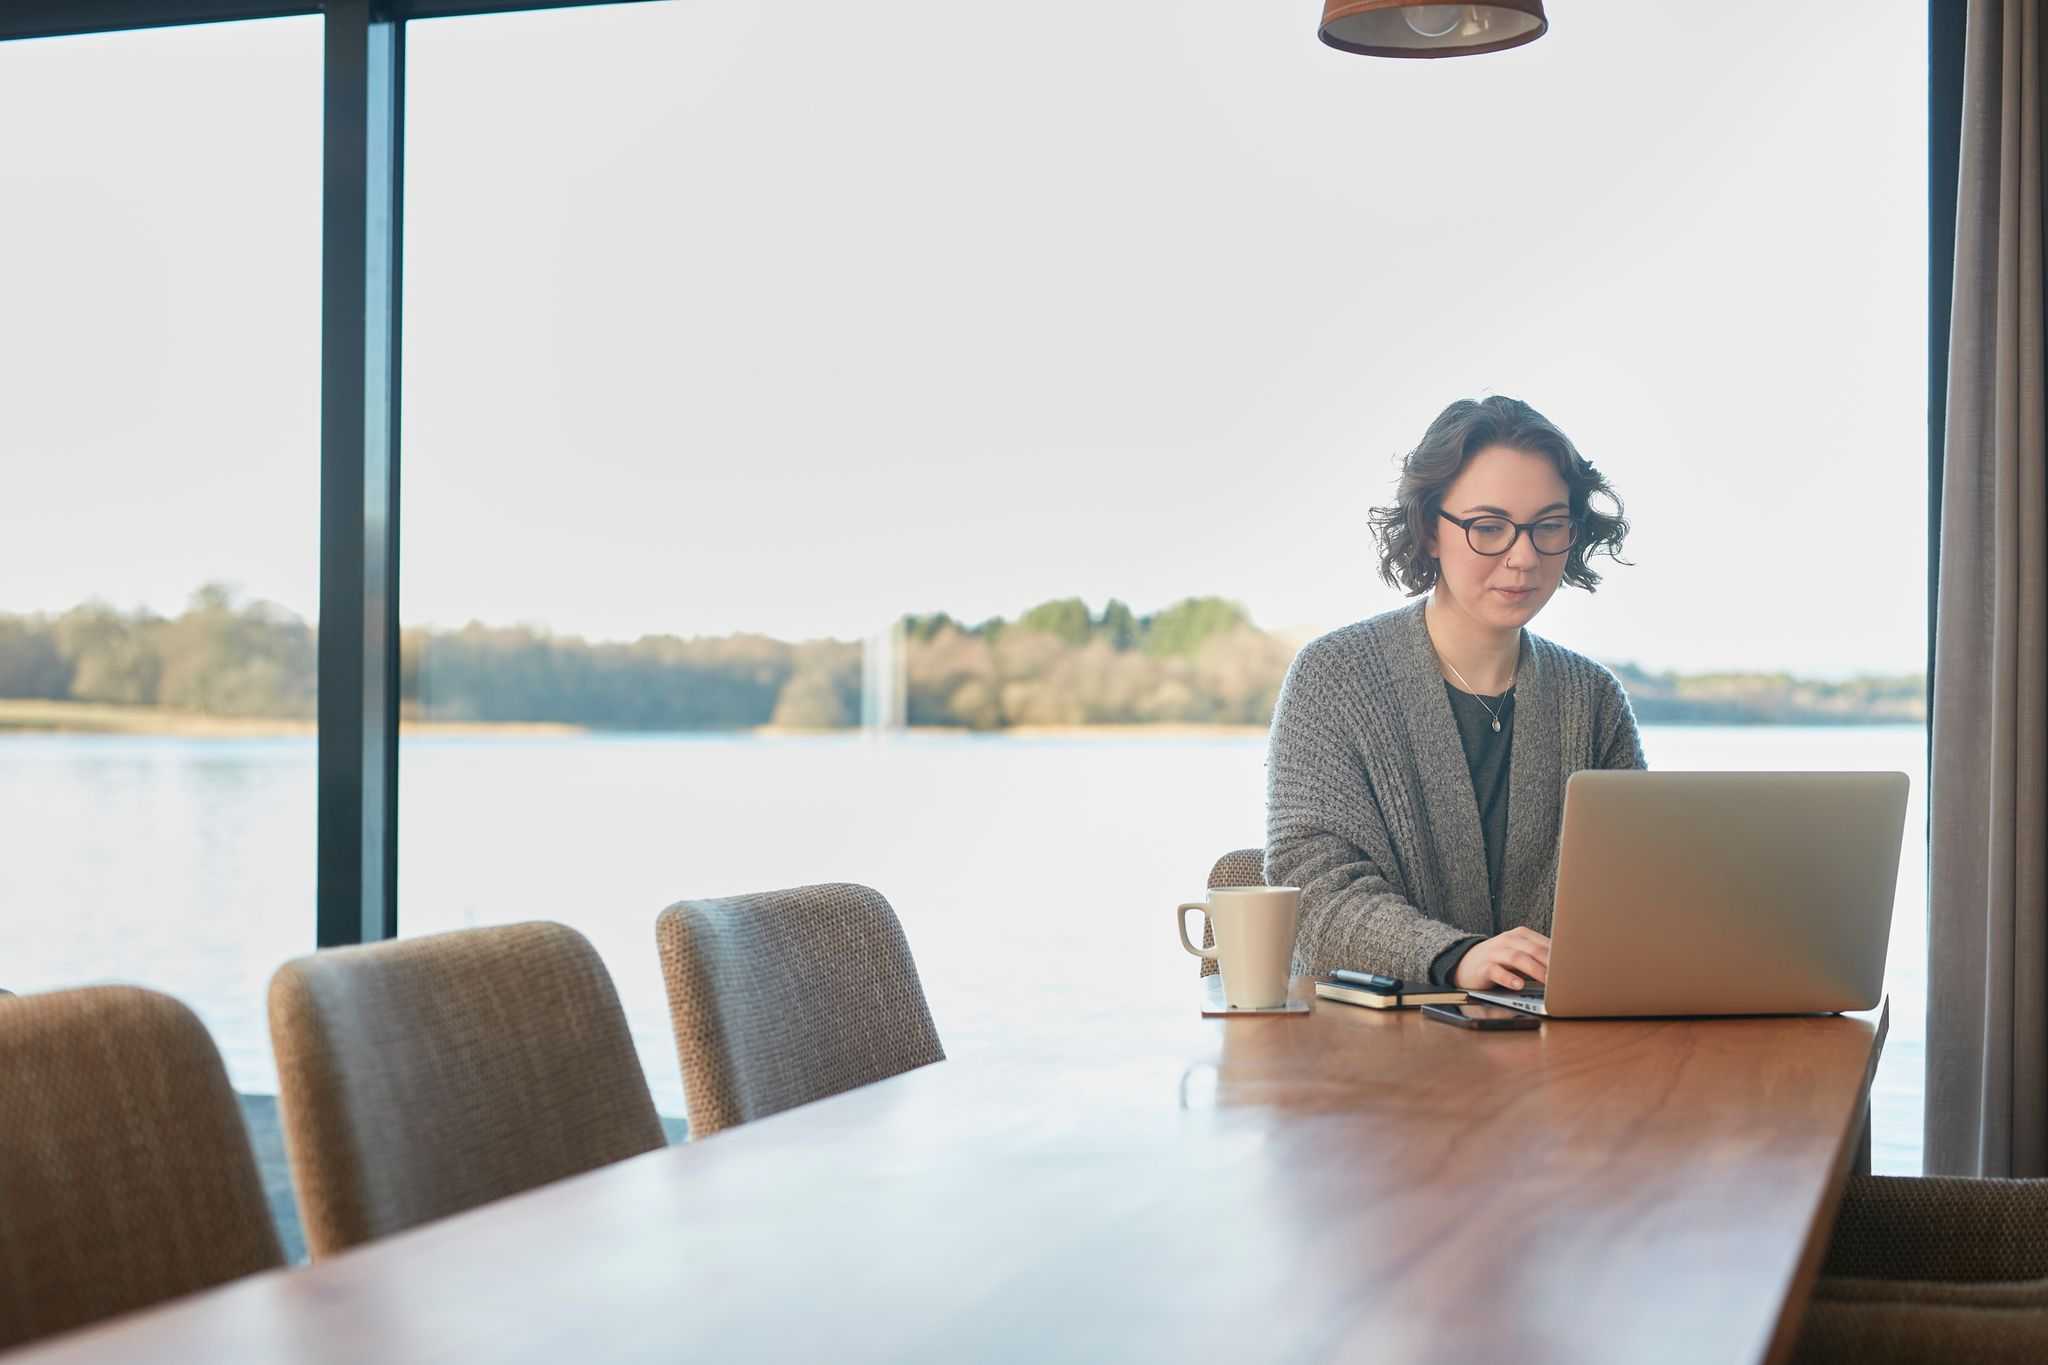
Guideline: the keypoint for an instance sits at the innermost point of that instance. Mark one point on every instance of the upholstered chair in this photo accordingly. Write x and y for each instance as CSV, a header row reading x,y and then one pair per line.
x,y
1241,867
784,997
425,1076
126,1176
1933,1268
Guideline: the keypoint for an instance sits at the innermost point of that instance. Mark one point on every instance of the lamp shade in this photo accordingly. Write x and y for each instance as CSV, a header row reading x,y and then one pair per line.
x,y
1399,28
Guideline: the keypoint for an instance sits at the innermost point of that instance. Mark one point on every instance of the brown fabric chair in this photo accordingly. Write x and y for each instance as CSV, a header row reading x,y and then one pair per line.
x,y
784,997
125,1171
1933,1268
1241,867
425,1076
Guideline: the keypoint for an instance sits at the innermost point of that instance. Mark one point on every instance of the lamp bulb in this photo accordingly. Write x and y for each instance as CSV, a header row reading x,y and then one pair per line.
x,y
1432,21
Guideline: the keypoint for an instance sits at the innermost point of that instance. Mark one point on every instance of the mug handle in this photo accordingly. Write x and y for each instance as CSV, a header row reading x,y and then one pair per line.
x,y
1180,919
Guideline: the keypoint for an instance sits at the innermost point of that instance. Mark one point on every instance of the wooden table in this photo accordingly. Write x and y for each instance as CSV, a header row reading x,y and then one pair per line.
x,y
1144,1184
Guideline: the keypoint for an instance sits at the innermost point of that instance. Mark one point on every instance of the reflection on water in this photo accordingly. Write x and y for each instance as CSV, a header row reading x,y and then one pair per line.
x,y
1031,873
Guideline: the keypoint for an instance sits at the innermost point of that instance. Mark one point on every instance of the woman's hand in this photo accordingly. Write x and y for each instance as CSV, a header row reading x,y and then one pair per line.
x,y
1504,960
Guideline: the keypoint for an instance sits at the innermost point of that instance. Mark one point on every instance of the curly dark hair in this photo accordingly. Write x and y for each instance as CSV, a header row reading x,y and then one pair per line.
x,y
1459,432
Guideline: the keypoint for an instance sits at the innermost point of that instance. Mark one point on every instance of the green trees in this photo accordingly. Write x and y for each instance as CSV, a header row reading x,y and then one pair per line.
x,y
113,658
31,665
659,682
823,690
1065,620
1117,625
1183,627
227,660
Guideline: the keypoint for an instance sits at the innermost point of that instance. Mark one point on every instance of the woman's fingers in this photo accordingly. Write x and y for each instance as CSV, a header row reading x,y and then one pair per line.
x,y
1516,955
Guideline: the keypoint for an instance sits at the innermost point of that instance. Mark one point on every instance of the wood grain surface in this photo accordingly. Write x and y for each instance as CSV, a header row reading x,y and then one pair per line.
x,y
1143,1183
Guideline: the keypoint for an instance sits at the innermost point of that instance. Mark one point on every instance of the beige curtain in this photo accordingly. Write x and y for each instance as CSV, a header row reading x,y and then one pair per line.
x,y
1987,959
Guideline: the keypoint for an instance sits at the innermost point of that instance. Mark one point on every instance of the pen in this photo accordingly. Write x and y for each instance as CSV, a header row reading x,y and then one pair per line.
x,y
1366,979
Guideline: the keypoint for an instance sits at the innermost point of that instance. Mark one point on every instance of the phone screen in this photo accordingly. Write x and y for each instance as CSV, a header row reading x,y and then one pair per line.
x,y
1487,1016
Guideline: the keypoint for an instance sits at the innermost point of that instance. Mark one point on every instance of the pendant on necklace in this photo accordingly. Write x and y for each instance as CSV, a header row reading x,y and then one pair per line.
x,y
1496,727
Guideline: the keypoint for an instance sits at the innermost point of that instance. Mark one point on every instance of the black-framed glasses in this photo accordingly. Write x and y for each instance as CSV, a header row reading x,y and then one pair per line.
x,y
1493,536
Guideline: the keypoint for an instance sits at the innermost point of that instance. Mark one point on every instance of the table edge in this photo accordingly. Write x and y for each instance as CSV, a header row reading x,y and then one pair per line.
x,y
1820,1231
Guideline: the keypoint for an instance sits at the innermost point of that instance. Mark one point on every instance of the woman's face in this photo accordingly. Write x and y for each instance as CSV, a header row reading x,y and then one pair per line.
x,y
1503,591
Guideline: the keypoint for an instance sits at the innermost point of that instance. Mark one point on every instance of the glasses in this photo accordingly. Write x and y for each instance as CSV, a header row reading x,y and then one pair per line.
x,y
1495,536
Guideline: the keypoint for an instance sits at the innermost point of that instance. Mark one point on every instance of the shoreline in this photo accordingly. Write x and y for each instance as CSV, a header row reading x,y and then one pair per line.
x,y
23,717
19,717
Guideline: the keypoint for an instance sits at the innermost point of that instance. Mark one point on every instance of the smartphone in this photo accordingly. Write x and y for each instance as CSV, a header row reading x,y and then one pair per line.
x,y
1489,1017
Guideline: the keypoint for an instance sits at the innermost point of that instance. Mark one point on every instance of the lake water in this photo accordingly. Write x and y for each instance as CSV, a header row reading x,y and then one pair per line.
x,y
187,864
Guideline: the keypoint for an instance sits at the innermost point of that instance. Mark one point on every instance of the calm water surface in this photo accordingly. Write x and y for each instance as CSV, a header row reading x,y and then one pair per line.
x,y
1029,872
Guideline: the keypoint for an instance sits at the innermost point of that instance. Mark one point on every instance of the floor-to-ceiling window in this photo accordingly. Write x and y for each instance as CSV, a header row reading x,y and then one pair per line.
x,y
159,484
911,453
904,445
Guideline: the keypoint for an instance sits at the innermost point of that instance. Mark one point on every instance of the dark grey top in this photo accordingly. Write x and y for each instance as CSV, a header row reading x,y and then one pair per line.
x,y
1486,756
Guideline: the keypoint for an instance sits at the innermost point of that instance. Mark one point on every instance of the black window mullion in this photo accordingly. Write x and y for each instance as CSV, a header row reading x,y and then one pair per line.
x,y
362,222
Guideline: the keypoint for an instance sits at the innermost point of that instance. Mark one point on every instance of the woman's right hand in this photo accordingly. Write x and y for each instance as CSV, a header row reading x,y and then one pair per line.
x,y
1504,960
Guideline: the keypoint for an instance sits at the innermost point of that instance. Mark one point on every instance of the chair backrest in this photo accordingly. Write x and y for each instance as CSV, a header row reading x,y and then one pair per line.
x,y
126,1176
784,997
1239,867
425,1076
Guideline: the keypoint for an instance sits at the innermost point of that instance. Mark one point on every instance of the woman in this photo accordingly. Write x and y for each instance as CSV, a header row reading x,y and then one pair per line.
x,y
1415,776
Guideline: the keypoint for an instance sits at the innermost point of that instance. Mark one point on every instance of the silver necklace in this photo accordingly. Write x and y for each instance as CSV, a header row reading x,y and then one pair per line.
x,y
1473,693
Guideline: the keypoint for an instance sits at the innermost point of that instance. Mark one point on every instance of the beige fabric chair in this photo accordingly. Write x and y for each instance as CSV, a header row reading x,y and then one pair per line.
x,y
784,997
425,1076
1933,1269
125,1171
1241,867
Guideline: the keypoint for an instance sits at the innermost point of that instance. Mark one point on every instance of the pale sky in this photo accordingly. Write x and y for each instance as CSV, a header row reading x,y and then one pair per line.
x,y
793,318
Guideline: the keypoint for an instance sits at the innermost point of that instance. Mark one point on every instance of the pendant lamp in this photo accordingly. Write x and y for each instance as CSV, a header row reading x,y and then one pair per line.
x,y
1397,28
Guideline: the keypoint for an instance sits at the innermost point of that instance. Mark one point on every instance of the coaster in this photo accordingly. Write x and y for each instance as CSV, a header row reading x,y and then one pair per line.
x,y
1214,1008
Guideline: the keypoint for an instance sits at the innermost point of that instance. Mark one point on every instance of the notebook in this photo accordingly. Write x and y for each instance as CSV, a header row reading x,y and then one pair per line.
x,y
1408,997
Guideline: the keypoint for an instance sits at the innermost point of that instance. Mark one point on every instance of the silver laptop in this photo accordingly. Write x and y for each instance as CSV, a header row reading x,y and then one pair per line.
x,y
1720,893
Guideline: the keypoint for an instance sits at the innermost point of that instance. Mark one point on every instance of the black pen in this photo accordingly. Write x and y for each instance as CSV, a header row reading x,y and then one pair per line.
x,y
1389,984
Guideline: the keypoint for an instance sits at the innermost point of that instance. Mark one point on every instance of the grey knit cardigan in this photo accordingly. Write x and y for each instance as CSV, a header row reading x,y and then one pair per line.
x,y
1369,804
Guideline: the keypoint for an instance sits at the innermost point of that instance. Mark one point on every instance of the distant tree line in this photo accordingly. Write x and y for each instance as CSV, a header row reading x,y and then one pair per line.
x,y
1771,698
219,657
1201,661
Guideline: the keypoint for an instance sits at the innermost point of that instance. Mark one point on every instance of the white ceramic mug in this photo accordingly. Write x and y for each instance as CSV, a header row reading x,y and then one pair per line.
x,y
1254,927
